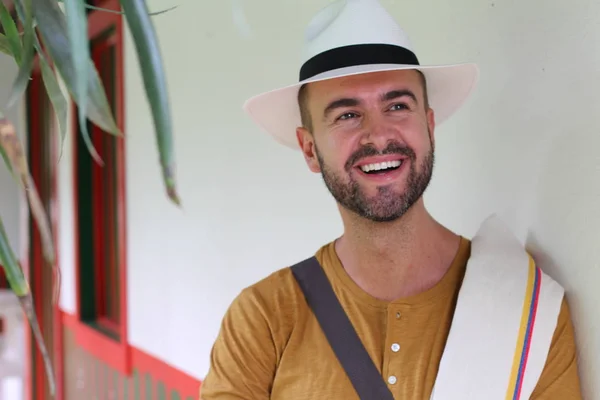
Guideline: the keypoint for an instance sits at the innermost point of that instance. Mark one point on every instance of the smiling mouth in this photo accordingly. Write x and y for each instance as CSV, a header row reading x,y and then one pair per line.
x,y
380,168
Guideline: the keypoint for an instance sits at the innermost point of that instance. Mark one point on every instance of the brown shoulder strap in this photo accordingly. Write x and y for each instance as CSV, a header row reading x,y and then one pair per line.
x,y
340,333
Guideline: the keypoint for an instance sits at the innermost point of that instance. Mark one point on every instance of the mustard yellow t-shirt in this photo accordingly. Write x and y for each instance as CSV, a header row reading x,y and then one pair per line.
x,y
270,345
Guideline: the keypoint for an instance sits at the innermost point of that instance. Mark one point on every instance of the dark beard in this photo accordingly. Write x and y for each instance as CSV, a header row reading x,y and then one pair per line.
x,y
387,205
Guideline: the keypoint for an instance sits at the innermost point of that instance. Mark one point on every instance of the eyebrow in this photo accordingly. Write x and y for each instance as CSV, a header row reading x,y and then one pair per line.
x,y
394,94
352,102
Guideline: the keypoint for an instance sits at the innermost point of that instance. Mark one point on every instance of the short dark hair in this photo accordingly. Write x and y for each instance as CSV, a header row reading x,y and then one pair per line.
x,y
303,102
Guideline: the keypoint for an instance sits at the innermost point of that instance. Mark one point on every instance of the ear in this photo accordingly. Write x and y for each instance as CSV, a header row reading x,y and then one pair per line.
x,y
431,125
307,145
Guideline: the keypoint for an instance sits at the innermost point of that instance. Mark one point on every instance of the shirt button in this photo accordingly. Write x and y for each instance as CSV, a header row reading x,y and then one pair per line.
x,y
395,347
392,379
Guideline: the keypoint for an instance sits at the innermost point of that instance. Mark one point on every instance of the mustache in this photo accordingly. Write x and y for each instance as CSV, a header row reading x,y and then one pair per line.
x,y
370,151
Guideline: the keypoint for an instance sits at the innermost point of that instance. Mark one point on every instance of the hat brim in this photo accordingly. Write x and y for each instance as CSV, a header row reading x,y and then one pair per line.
x,y
277,111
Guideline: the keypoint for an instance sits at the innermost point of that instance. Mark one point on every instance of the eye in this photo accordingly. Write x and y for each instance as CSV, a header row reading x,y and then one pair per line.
x,y
399,106
347,115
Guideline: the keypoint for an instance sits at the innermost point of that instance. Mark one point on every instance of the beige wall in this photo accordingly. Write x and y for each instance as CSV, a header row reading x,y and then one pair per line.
x,y
525,146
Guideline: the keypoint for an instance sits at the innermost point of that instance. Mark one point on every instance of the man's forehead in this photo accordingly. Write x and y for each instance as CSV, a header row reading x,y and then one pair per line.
x,y
375,83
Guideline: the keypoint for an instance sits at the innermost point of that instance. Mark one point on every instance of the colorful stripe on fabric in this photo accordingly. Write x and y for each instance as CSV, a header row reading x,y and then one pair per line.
x,y
525,332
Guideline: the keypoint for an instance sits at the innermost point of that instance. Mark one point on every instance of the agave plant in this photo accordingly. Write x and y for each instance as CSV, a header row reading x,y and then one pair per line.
x,y
57,34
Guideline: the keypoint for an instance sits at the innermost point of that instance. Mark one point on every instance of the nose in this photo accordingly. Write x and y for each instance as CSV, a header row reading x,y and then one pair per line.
x,y
377,133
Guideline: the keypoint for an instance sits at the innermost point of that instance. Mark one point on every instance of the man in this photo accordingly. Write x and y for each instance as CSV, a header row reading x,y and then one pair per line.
x,y
364,116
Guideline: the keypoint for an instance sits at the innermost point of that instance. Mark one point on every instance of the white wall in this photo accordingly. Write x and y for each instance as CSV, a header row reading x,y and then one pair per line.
x,y
9,189
525,146
66,238
245,199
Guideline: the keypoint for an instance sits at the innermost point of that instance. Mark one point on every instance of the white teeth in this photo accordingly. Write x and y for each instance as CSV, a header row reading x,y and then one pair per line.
x,y
381,165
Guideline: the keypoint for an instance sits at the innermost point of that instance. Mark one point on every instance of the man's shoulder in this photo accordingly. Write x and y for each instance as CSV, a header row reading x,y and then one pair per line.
x,y
274,294
277,284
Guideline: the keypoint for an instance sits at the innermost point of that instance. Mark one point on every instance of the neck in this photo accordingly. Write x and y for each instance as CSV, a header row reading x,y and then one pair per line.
x,y
391,260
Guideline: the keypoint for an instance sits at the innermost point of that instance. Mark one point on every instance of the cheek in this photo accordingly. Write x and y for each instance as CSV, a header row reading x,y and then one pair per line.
x,y
335,153
343,147
414,132
412,123
345,137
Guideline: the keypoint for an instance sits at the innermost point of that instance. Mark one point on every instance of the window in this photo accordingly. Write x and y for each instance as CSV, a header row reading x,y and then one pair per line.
x,y
100,209
98,195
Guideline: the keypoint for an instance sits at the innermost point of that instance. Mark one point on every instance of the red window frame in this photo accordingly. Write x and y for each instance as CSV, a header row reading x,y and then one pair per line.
x,y
112,155
113,349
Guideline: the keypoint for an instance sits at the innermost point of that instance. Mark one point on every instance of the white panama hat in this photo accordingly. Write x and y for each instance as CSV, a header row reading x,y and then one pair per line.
x,y
351,37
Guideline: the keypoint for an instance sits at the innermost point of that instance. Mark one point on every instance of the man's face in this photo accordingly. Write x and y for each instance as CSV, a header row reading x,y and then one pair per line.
x,y
372,141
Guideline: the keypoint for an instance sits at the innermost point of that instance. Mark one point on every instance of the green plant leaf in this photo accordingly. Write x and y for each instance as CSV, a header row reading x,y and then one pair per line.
x,y
56,96
18,284
12,270
108,10
14,274
6,160
52,26
120,12
58,100
4,155
4,46
12,33
150,61
80,51
21,13
29,310
13,150
26,64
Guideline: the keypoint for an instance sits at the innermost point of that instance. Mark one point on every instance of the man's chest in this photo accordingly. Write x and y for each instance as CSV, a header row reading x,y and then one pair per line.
x,y
405,343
